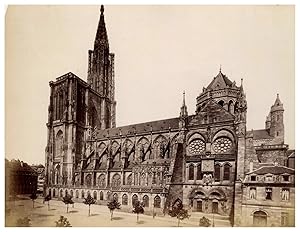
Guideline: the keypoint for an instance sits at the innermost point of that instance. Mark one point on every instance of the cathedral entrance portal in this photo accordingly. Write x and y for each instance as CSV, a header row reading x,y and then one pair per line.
x,y
199,206
215,207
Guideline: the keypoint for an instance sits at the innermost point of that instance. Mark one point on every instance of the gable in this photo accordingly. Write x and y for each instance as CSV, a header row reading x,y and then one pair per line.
x,y
211,113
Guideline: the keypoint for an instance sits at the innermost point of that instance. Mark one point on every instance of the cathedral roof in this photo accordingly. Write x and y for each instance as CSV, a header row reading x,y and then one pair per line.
x,y
273,170
261,134
220,81
146,127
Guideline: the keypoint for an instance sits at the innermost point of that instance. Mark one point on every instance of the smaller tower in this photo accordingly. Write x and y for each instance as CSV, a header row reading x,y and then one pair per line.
x,y
268,121
276,124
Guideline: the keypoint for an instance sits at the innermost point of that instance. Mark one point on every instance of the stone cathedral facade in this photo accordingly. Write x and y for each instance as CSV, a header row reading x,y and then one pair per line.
x,y
207,160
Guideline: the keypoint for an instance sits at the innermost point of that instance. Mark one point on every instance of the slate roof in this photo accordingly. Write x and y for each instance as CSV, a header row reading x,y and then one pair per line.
x,y
261,134
222,79
273,170
159,125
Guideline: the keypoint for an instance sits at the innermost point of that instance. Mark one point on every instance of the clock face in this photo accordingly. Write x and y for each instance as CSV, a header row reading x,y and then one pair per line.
x,y
207,166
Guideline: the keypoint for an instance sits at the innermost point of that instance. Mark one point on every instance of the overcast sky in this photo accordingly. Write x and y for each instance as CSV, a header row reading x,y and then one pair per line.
x,y
159,50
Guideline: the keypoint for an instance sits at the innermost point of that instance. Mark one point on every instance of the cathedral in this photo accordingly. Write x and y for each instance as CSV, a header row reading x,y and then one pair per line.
x,y
208,161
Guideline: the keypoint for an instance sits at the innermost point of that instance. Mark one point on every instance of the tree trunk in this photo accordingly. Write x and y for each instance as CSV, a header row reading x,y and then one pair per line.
x,y
48,206
67,208
137,217
111,215
178,223
89,210
32,203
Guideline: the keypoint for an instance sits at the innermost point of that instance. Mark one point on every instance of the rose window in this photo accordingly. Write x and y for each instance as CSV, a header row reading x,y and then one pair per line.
x,y
196,147
222,145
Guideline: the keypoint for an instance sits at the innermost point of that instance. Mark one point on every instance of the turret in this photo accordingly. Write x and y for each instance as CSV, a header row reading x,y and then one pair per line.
x,y
276,124
183,114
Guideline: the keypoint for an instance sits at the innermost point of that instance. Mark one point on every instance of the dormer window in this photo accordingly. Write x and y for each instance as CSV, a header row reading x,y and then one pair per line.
x,y
269,178
286,178
253,178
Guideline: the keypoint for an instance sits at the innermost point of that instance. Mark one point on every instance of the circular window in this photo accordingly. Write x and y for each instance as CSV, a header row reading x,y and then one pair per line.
x,y
196,146
222,145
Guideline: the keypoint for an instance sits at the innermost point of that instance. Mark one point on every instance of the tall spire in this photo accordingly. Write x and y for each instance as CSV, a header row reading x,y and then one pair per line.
x,y
101,36
183,109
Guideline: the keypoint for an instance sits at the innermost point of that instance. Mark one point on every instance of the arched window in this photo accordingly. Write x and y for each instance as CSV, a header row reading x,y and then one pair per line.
x,y
82,194
226,175
191,172
134,199
157,202
143,179
101,181
66,192
54,193
217,172
71,193
49,192
146,201
259,218
77,194
61,193
116,180
231,107
88,180
199,172
95,195
58,144
124,199
129,179
221,103
101,196
116,197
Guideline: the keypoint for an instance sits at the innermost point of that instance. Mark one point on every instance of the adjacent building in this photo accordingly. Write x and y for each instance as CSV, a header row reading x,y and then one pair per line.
x,y
20,178
207,160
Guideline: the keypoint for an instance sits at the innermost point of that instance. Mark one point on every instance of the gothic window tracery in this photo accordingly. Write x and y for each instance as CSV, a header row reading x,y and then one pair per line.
x,y
146,201
196,147
143,179
129,180
134,199
191,172
116,180
124,199
101,181
157,202
226,175
88,180
222,145
58,144
217,172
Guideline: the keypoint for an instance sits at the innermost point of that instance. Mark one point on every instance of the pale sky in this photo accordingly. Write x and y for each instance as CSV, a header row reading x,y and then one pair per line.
x,y
159,50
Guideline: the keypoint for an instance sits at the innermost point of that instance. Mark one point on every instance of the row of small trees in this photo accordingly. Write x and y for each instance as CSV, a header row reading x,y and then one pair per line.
x,y
176,211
